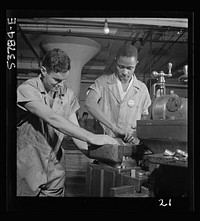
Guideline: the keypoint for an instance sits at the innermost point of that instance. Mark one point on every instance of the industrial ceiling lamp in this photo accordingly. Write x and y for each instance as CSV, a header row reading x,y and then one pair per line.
x,y
106,30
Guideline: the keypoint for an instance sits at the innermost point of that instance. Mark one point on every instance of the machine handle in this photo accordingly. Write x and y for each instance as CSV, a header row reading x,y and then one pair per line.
x,y
185,70
170,69
162,74
184,77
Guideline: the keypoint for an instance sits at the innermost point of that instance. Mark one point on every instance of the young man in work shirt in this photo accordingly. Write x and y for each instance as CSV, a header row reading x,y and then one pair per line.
x,y
47,112
120,99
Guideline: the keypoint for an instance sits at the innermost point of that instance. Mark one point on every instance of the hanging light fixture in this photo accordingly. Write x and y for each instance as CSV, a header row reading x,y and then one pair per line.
x,y
106,30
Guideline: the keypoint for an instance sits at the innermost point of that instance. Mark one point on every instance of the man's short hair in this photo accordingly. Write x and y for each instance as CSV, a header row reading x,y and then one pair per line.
x,y
56,60
127,51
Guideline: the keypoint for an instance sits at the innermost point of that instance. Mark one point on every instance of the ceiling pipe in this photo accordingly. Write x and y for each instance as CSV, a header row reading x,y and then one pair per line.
x,y
171,22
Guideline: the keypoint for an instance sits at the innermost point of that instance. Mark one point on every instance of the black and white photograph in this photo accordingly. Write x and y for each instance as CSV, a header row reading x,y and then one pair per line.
x,y
99,111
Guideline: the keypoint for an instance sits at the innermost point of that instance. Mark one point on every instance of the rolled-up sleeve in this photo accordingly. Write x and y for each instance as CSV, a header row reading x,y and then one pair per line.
x,y
97,87
25,93
71,104
74,106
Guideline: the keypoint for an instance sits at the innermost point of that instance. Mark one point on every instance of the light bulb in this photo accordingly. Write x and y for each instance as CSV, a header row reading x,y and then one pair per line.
x,y
106,30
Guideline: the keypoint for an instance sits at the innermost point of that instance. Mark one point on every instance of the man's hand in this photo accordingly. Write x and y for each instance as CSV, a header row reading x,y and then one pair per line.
x,y
101,139
129,136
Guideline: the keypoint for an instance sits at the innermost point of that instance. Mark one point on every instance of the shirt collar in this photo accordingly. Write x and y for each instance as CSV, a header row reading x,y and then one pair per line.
x,y
113,80
42,90
40,84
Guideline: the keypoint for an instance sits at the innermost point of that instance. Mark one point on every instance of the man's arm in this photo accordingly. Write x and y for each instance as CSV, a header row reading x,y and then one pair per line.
x,y
64,125
91,104
80,144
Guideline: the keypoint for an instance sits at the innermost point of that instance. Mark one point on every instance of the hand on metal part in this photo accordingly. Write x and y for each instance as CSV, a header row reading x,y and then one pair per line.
x,y
101,139
131,137
128,136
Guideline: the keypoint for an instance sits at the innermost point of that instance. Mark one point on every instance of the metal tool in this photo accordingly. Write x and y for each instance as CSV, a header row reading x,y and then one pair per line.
x,y
110,154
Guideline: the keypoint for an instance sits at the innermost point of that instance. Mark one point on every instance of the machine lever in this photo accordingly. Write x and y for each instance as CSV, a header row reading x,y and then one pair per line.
x,y
162,74
184,78
185,70
170,69
161,81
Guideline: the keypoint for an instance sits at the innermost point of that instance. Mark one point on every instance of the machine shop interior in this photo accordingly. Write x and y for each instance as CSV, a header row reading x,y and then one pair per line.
x,y
158,165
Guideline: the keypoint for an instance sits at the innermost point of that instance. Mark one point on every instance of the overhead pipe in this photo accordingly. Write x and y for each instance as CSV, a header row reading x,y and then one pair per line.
x,y
75,23
167,22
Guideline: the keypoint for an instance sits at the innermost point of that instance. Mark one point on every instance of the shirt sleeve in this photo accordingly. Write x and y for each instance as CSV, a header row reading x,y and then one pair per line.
x,y
74,105
25,93
97,87
71,104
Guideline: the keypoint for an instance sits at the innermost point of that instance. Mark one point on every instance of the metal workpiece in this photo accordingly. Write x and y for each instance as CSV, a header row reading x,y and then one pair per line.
x,y
111,154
